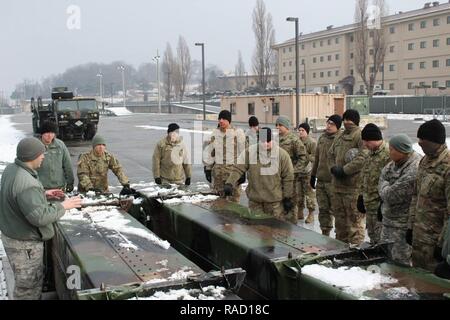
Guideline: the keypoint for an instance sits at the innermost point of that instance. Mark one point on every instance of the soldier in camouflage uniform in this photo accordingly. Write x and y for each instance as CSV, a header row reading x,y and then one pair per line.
x,y
303,183
93,169
395,188
369,199
349,223
26,218
321,174
270,177
429,211
251,135
443,269
221,153
171,162
292,144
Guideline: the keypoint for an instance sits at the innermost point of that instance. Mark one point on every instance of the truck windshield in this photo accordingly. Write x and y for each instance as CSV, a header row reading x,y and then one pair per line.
x,y
67,106
90,105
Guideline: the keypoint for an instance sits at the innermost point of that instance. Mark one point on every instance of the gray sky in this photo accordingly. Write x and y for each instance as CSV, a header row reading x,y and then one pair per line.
x,y
36,42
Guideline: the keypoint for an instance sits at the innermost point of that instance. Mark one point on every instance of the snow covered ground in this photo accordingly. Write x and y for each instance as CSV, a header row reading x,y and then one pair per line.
x,y
120,111
391,116
9,137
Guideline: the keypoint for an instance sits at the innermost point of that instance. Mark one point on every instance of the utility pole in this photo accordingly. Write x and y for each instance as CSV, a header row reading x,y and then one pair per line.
x,y
156,58
168,94
100,76
122,68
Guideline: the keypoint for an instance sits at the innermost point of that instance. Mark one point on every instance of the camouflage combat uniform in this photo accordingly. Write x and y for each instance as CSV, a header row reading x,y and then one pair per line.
x,y
303,183
93,171
395,188
55,171
221,154
323,188
171,161
430,207
270,179
296,150
370,175
349,223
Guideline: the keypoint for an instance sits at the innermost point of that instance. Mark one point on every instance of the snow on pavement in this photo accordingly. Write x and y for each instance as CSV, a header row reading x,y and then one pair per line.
x,y
120,111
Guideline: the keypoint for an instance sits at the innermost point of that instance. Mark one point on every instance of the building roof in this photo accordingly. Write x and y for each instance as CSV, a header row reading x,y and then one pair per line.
x,y
392,19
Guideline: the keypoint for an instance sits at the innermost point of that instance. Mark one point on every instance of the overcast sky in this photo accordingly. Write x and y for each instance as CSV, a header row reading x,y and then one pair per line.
x,y
36,41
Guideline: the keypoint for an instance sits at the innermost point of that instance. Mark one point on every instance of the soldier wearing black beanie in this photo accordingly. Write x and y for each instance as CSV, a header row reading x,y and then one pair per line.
x,y
433,131
352,115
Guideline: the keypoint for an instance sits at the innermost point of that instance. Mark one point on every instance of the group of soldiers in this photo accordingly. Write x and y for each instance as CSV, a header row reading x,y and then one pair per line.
x,y
360,182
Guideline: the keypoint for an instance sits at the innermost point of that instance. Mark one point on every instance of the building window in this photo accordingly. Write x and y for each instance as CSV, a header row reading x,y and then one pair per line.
x,y
435,84
337,56
447,84
448,19
423,44
303,61
290,77
410,66
422,84
290,63
411,27
371,34
329,74
314,60
351,55
448,41
329,58
290,49
337,40
303,76
251,109
392,49
352,72
435,63
391,86
392,30
436,22
284,78
423,24
276,109
436,43
422,65
410,85
448,62
410,46
336,73
233,108
284,50
329,42
321,43
321,59
321,74
314,44
352,38
284,64
372,70
314,75
371,51
392,67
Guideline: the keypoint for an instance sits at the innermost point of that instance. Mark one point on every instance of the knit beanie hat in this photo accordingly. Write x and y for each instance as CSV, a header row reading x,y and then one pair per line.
x,y
226,115
352,115
371,133
253,121
283,121
98,140
172,127
305,126
265,134
402,143
433,131
336,119
29,149
48,126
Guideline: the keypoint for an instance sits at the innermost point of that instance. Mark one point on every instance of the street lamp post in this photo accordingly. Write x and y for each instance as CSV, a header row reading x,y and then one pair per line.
x,y
203,78
168,95
122,68
246,75
297,82
100,76
156,58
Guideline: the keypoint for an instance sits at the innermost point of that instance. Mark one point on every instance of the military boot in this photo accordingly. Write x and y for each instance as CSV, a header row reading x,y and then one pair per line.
x,y
310,218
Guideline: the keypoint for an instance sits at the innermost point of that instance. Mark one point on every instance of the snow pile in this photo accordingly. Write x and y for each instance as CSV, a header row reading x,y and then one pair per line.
x,y
181,130
354,281
9,137
100,199
206,293
181,274
120,111
191,199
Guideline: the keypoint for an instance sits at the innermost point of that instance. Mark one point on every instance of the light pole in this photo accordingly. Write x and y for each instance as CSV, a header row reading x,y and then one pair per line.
x,y
122,68
297,82
203,78
168,95
100,76
156,58
246,75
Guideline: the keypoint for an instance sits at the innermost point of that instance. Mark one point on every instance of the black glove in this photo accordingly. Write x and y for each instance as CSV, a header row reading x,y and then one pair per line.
x,y
409,236
187,182
360,204
443,270
208,175
242,179
380,213
312,182
288,205
158,180
69,187
338,172
228,190
438,254
96,190
126,190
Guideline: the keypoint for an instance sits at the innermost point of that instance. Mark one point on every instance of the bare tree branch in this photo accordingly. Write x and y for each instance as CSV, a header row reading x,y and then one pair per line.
x,y
182,68
239,71
168,69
